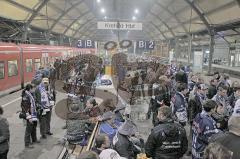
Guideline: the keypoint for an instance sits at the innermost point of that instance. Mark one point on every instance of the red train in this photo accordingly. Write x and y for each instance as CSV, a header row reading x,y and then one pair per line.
x,y
18,63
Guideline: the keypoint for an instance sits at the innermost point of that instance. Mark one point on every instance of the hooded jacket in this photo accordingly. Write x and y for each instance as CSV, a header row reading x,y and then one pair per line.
x,y
168,140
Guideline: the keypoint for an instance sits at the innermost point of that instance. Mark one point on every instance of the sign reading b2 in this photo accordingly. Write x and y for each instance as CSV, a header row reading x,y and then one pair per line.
x,y
86,44
149,45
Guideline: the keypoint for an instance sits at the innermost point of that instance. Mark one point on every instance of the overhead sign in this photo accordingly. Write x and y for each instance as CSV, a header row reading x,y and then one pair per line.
x,y
119,25
148,45
86,44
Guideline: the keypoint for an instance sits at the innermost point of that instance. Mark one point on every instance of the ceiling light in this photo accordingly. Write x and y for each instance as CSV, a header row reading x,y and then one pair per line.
x,y
133,18
136,11
103,10
98,1
105,17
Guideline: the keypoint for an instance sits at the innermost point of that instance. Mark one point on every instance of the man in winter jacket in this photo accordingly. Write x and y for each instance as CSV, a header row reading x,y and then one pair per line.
x,y
231,139
122,142
179,104
195,103
221,97
4,136
212,90
167,140
203,128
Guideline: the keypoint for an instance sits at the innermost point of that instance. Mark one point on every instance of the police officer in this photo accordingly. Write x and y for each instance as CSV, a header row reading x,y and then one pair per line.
x,y
203,128
168,139
43,102
179,103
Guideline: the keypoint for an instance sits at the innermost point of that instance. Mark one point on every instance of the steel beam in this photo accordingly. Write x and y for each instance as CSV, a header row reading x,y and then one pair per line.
x,y
80,16
88,21
65,13
163,22
35,13
159,30
173,15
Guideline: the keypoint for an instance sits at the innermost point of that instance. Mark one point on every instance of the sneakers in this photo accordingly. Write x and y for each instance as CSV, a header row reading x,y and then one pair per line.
x,y
29,146
37,141
49,133
43,137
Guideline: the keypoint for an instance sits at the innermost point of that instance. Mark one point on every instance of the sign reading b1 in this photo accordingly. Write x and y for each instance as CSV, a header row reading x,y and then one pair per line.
x,y
86,44
149,45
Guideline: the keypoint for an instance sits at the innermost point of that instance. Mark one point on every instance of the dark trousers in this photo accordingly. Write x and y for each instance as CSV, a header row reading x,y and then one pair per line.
x,y
43,124
150,91
4,155
143,91
48,122
30,133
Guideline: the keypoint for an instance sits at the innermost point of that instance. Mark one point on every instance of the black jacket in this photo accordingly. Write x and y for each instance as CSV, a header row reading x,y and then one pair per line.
x,y
230,141
168,140
124,146
4,135
194,107
212,90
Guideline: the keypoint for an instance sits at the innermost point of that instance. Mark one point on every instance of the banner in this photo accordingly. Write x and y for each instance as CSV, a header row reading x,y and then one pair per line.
x,y
119,25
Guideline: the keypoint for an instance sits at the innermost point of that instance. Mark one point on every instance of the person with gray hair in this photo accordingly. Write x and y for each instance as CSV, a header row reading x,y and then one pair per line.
x,y
4,136
168,139
230,139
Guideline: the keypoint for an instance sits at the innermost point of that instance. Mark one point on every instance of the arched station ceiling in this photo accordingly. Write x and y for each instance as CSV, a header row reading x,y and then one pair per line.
x,y
162,19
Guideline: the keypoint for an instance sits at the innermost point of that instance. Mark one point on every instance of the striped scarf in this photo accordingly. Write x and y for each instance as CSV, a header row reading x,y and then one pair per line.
x,y
45,104
33,106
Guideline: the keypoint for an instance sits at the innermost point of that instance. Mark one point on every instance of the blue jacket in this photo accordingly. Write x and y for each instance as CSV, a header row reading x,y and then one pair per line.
x,y
203,128
179,107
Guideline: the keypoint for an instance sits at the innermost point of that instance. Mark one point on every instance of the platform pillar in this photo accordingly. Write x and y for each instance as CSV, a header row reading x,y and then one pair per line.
x,y
211,50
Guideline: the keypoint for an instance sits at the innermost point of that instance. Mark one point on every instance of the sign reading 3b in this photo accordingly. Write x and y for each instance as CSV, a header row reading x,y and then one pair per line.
x,y
149,45
86,44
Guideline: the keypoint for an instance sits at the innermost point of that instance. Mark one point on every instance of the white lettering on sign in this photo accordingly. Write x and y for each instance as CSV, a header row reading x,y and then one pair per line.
x,y
141,44
89,43
119,25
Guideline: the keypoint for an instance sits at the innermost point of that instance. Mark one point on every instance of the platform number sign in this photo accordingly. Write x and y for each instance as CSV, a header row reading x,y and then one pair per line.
x,y
86,44
148,45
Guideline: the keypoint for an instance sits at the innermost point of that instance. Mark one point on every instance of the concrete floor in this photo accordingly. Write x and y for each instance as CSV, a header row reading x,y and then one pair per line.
x,y
47,149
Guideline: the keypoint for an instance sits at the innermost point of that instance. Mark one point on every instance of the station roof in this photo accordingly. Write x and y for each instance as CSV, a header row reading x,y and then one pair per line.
x,y
161,19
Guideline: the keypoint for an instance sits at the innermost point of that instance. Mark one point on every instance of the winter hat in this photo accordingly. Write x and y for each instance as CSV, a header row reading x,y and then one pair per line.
x,y
110,154
128,128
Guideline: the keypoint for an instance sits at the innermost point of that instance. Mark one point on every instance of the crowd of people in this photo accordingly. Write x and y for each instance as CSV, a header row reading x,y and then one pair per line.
x,y
190,117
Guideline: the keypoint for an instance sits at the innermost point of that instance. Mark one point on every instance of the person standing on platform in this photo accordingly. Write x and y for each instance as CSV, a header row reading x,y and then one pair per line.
x,y
42,99
29,108
203,128
168,139
212,90
179,104
4,135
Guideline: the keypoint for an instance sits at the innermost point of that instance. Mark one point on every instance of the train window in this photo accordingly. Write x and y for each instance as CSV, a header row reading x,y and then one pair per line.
x,y
29,63
37,64
1,69
12,68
